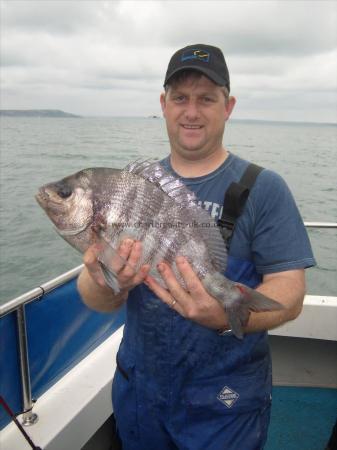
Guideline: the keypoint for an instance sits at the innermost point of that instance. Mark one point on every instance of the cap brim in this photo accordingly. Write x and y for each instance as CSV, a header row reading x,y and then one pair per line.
x,y
209,74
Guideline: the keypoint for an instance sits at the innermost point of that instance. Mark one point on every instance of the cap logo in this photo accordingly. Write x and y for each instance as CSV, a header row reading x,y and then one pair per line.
x,y
199,55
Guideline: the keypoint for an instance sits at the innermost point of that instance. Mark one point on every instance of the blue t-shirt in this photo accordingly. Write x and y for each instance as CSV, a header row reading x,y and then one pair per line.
x,y
270,232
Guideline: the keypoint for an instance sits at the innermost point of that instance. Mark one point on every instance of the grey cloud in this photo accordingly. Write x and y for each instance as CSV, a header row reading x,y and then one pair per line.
x,y
14,59
119,85
49,16
241,27
101,56
255,27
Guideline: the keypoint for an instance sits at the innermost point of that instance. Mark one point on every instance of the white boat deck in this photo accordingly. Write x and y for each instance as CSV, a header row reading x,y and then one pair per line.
x,y
73,410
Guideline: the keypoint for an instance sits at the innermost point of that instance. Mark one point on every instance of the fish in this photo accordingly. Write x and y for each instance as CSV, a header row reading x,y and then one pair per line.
x,y
144,202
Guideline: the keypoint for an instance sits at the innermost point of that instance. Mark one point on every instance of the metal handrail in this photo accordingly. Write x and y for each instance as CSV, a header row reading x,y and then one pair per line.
x,y
38,292
18,305
320,224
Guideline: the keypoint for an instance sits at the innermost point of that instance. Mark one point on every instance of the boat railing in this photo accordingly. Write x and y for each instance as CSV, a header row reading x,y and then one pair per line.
x,y
320,224
18,304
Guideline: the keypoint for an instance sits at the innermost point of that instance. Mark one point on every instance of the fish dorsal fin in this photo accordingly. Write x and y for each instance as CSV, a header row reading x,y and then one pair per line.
x,y
155,173
138,165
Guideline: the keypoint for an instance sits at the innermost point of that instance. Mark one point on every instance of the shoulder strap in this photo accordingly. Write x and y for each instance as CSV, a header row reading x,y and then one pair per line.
x,y
235,200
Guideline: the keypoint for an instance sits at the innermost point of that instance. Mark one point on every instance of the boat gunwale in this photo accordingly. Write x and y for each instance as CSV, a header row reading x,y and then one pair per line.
x,y
39,291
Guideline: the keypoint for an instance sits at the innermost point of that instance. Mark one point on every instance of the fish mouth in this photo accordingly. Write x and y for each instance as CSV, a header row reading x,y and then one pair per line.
x,y
42,197
52,204
47,196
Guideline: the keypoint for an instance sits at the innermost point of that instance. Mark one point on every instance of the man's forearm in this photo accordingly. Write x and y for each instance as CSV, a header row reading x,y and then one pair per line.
x,y
289,290
96,297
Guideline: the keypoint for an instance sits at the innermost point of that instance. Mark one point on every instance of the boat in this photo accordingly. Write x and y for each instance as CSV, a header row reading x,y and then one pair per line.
x,y
57,362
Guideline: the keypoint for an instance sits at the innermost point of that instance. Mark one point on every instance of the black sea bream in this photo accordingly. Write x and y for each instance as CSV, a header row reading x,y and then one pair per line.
x,y
144,203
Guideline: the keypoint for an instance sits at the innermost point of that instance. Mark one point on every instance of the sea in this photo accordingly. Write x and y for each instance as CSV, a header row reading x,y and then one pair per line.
x,y
35,151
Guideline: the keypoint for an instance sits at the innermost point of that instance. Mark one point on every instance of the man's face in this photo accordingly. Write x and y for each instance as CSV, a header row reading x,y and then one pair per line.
x,y
196,111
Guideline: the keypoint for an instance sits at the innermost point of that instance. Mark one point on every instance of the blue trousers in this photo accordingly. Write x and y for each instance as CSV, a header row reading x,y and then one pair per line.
x,y
151,422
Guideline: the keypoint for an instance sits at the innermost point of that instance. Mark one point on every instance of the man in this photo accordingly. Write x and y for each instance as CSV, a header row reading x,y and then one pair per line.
x,y
181,383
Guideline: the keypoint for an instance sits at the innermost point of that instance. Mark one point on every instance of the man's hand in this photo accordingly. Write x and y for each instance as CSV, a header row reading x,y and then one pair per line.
x,y
91,283
129,251
194,302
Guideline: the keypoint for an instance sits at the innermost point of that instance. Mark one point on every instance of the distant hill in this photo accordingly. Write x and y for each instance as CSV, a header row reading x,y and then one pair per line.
x,y
35,113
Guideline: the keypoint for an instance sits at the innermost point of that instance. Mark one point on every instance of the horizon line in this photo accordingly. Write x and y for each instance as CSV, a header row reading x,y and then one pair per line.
x,y
155,116
230,120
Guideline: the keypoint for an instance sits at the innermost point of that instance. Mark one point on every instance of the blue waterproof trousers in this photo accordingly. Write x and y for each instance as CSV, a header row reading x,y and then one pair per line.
x,y
143,425
182,386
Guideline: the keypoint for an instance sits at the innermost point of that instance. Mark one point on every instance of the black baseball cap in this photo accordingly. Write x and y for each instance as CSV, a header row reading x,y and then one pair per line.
x,y
206,59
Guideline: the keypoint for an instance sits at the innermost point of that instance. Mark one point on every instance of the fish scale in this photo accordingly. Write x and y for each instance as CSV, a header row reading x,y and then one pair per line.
x,y
143,202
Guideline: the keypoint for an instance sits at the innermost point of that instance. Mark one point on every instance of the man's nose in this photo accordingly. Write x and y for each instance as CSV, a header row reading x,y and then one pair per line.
x,y
191,111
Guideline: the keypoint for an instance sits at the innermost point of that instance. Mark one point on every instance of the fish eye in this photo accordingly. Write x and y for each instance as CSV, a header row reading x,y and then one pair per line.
x,y
64,192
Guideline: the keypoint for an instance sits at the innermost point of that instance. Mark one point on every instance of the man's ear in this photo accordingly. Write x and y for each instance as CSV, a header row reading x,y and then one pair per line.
x,y
229,106
163,102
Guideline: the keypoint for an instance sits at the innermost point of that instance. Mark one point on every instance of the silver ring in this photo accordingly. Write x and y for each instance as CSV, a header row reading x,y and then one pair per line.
x,y
174,301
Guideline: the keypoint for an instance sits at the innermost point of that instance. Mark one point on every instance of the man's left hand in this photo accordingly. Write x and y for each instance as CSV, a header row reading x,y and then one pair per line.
x,y
193,302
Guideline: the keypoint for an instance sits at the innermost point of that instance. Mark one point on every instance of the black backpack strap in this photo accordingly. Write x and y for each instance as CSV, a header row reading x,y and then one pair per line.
x,y
235,200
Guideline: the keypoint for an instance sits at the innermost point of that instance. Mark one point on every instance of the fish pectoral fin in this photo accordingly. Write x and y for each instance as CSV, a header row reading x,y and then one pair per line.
x,y
110,278
112,262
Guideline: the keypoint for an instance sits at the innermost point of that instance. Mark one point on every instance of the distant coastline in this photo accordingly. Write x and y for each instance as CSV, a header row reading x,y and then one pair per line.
x,y
282,122
36,113
57,113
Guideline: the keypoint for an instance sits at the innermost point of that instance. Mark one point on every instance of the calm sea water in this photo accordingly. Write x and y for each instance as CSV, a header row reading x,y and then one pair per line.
x,y
38,150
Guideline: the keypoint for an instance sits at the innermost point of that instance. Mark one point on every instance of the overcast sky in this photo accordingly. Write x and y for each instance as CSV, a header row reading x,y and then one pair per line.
x,y
109,57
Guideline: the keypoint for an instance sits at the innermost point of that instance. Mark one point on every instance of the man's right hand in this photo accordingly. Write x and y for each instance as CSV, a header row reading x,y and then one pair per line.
x,y
92,285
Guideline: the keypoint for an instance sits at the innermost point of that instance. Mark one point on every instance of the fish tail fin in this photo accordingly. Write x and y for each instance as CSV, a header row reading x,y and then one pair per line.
x,y
257,301
251,300
238,301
